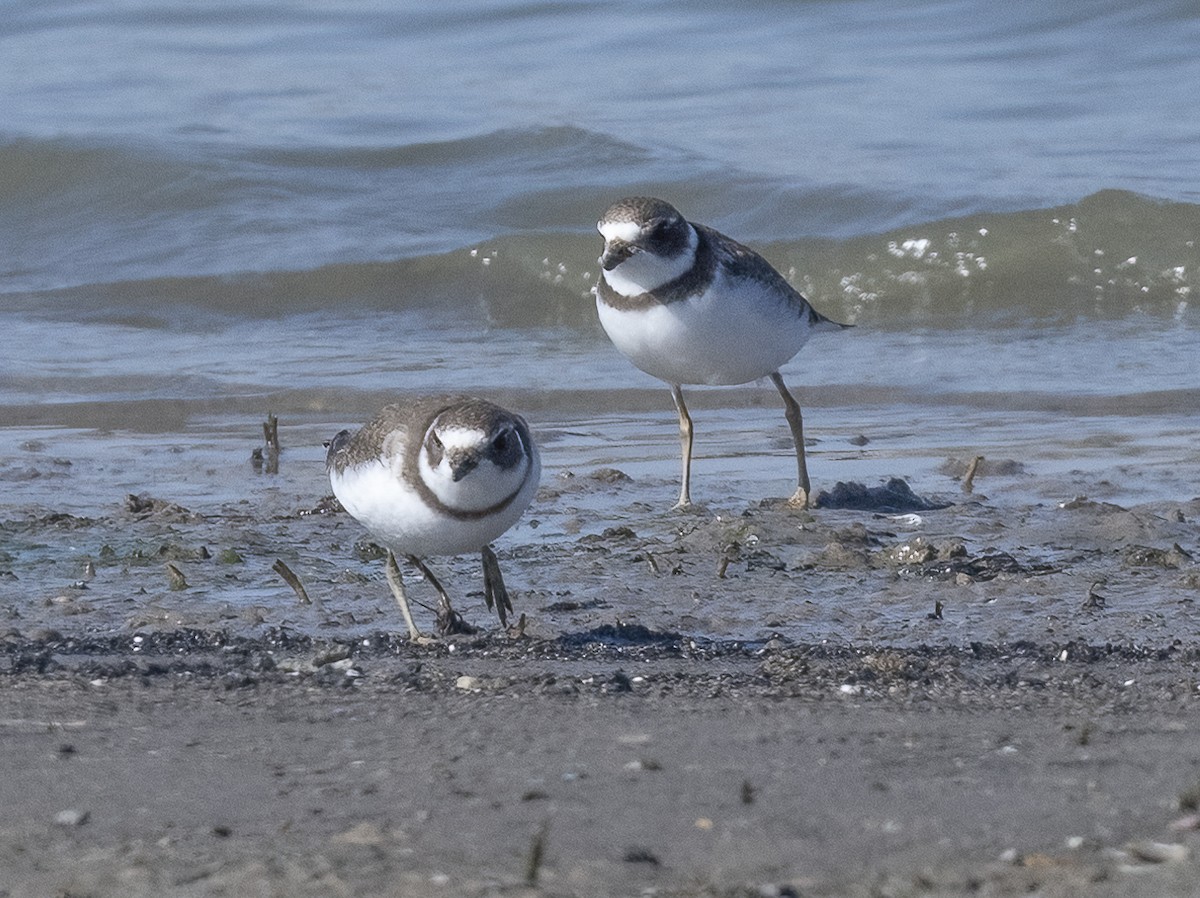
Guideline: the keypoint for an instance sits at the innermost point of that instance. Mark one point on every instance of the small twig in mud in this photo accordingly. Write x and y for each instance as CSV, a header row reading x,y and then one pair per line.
x,y
175,576
517,630
729,554
271,433
1095,600
270,453
936,613
291,580
537,852
656,568
968,484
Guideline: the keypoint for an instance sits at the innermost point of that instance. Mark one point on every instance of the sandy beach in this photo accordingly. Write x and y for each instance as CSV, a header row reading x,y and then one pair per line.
x,y
1005,703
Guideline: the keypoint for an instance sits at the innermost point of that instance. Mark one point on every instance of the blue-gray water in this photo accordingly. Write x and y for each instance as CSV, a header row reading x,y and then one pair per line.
x,y
151,140
211,210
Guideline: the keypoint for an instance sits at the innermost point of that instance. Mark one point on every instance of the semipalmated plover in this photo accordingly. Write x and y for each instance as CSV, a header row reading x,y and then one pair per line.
x,y
437,476
689,305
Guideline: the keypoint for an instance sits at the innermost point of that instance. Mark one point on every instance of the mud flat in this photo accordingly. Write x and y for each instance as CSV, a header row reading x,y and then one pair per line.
x,y
977,698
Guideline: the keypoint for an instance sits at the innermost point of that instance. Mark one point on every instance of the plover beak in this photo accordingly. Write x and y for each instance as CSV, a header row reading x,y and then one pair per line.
x,y
462,464
615,252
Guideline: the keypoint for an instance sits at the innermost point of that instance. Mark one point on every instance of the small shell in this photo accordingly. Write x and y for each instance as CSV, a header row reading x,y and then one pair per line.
x,y
1159,852
71,817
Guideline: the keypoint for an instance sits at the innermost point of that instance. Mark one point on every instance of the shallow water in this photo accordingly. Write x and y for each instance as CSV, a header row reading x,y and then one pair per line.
x,y
174,139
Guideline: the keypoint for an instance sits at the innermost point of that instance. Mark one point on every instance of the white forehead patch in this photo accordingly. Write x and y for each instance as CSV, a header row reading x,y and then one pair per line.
x,y
461,437
629,231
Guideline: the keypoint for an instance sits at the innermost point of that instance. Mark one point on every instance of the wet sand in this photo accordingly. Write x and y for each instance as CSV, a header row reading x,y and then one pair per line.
x,y
995,697
637,770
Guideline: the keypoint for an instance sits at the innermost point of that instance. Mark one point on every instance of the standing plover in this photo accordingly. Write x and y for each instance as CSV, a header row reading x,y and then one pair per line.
x,y
437,476
689,305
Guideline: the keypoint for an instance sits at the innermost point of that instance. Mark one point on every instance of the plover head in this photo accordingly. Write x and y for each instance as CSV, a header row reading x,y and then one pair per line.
x,y
475,455
647,242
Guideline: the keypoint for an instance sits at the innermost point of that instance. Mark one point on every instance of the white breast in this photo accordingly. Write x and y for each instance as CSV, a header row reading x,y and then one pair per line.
x,y
730,334
401,520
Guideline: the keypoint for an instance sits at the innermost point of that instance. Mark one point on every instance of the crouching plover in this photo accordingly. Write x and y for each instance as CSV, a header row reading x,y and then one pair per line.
x,y
689,305
437,476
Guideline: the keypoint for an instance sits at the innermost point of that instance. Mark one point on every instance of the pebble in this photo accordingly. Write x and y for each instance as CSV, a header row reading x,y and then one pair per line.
x,y
331,655
71,817
348,667
1159,852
